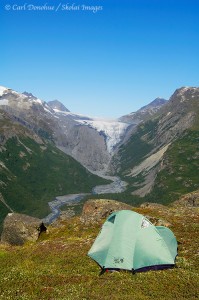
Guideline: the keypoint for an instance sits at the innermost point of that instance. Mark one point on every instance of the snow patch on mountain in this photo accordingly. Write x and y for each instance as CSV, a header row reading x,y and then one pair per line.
x,y
66,113
73,115
38,101
47,110
3,102
2,90
112,129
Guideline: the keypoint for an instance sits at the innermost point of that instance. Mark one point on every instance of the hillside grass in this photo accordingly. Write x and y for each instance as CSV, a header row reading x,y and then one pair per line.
x,y
35,174
139,145
57,266
180,174
179,171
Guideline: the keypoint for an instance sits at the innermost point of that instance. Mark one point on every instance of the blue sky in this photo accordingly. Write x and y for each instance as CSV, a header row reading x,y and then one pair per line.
x,y
107,63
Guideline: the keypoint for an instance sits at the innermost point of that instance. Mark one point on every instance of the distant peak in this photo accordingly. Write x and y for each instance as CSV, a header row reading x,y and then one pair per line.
x,y
185,94
185,89
159,99
29,95
155,103
55,104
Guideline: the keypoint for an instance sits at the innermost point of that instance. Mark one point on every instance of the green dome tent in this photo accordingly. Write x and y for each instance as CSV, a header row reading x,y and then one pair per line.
x,y
129,241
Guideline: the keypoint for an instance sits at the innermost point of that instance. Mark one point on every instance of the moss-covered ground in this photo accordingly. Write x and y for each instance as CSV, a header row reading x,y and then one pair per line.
x,y
57,266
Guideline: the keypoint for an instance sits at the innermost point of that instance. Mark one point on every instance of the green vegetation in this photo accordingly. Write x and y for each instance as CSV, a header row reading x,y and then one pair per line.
x,y
137,147
57,266
33,174
180,174
180,165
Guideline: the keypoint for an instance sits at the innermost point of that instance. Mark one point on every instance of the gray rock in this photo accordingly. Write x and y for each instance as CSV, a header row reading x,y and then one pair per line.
x,y
96,210
152,205
55,104
158,222
20,228
154,220
188,200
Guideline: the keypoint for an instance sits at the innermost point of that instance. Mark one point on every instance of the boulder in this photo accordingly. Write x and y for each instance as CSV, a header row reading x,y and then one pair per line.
x,y
152,205
96,210
188,200
158,222
154,220
20,228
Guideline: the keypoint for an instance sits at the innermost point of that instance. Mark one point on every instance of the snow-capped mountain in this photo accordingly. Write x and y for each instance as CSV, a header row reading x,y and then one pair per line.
x,y
112,130
91,141
158,158
136,145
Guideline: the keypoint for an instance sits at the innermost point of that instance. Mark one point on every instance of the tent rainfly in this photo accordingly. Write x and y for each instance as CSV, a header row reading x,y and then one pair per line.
x,y
129,241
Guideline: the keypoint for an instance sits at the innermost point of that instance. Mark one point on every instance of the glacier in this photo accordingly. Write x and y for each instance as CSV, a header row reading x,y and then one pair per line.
x,y
112,129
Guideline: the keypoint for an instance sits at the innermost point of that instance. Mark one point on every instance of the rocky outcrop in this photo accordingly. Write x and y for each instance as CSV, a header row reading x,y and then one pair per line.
x,y
159,207
96,210
158,222
152,205
55,104
20,228
188,200
86,145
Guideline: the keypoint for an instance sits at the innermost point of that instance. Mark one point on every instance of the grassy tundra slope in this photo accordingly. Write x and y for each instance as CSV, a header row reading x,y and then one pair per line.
x,y
57,266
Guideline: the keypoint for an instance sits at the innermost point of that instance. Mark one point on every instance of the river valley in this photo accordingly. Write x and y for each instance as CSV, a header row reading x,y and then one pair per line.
x,y
116,186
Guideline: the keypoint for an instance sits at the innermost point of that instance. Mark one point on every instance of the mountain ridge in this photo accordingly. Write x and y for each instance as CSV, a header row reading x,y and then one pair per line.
x,y
91,141
33,171
56,104
142,149
149,147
